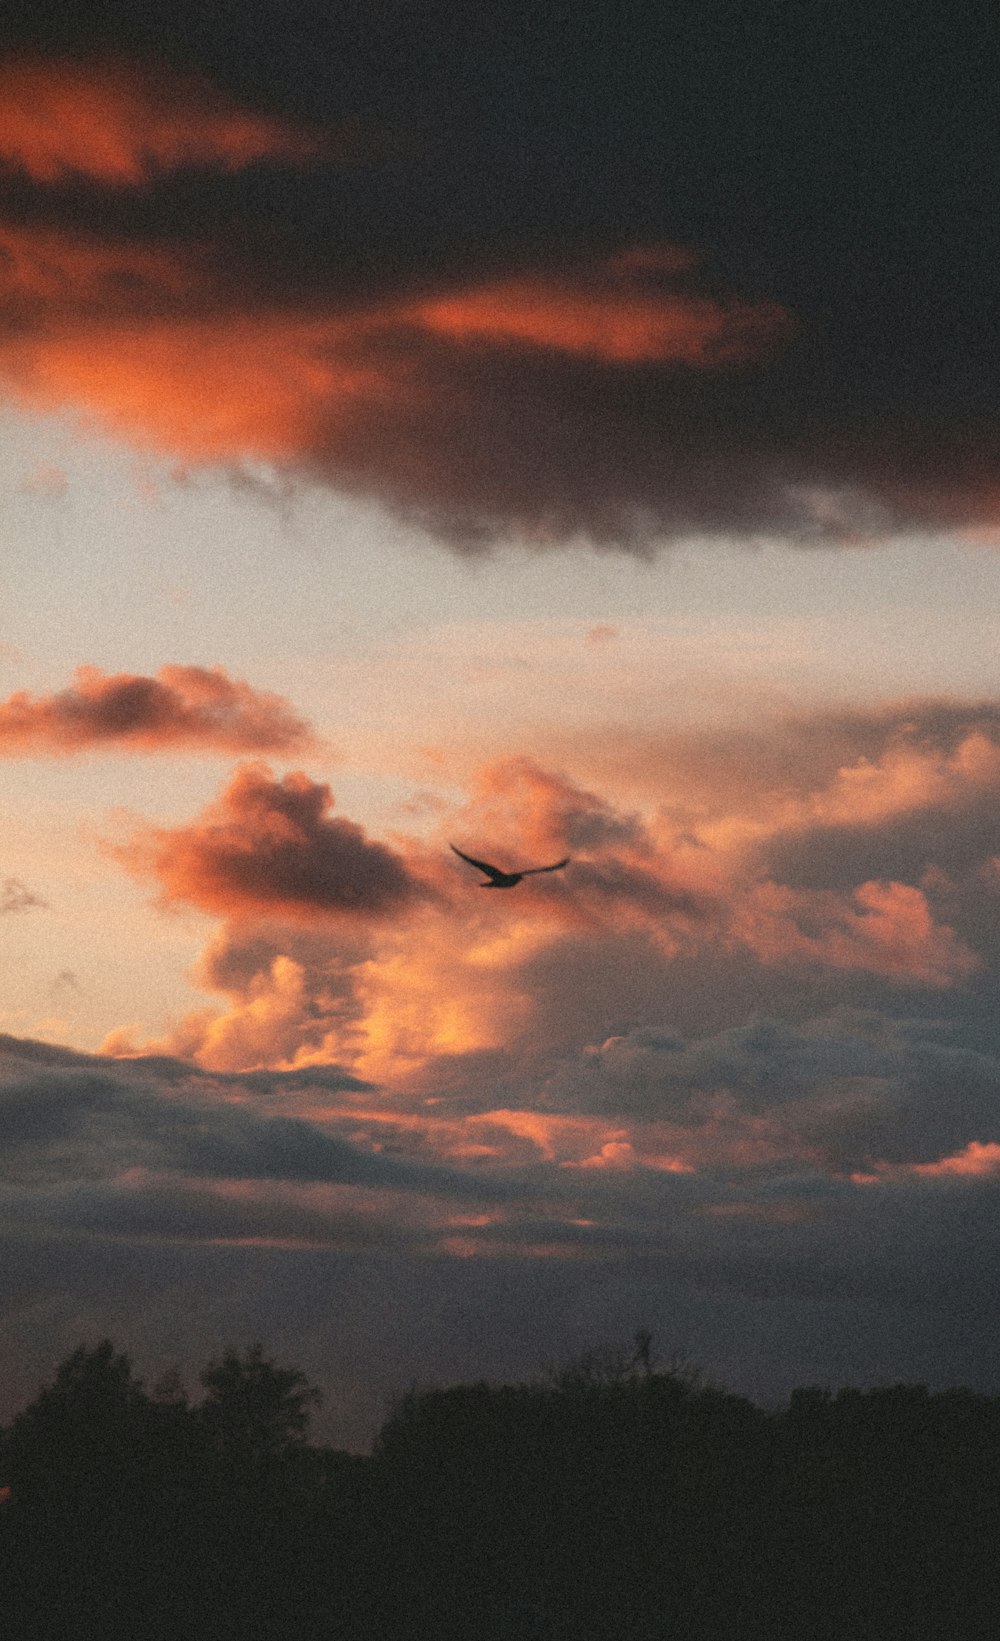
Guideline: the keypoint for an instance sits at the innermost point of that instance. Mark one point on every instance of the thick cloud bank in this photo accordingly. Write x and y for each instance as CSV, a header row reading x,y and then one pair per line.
x,y
756,1195
665,297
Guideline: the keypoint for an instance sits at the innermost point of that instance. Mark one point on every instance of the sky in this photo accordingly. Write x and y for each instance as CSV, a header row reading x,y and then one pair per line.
x,y
551,432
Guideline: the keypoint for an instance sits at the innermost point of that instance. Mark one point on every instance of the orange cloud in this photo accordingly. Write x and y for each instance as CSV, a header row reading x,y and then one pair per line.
x,y
907,775
884,928
526,806
975,1160
270,847
50,271
196,707
121,332
122,123
657,913
269,386
613,313
146,340
185,348
267,1026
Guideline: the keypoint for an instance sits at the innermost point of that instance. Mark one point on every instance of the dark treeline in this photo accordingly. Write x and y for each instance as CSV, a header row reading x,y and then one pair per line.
x,y
611,1502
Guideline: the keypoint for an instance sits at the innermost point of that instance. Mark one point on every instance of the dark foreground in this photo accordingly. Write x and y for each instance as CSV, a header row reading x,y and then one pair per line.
x,y
614,1502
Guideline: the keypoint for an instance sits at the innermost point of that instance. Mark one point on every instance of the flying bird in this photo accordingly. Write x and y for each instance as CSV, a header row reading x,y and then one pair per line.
x,y
506,880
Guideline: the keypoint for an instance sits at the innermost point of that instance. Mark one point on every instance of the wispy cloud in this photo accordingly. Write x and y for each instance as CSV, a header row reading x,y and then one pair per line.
x,y
17,897
640,308
122,122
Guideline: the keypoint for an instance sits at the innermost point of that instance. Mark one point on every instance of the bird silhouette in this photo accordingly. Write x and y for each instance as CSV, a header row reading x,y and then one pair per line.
x,y
506,880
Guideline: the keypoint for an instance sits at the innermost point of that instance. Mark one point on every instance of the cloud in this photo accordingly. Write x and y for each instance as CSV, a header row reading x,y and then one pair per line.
x,y
271,847
383,995
122,123
611,313
689,888
16,897
812,1160
614,313
671,910
754,1119
56,277
287,1005
884,927
477,408
812,1178
189,707
849,1092
269,385
625,398
150,1149
974,1159
603,398
924,796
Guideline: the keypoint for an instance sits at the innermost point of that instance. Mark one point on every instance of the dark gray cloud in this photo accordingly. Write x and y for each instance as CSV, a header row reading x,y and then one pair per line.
x,y
840,1094
95,1118
180,1211
735,284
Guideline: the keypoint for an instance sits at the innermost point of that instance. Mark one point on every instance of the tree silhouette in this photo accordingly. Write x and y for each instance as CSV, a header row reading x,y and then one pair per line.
x,y
84,1430
612,1501
78,1461
253,1410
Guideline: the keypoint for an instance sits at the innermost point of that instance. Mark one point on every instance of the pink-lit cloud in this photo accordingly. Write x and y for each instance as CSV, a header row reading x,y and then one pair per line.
x,y
272,847
200,708
974,1160
653,918
884,928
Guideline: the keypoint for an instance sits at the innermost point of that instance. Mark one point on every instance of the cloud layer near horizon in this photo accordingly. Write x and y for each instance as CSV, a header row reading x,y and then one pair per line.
x,y
825,1170
173,270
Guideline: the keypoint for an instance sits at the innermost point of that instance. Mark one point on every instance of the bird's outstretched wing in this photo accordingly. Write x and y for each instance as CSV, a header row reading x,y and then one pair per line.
x,y
529,870
484,866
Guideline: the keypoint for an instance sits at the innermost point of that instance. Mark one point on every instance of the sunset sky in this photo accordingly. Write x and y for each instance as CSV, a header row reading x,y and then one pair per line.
x,y
553,431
